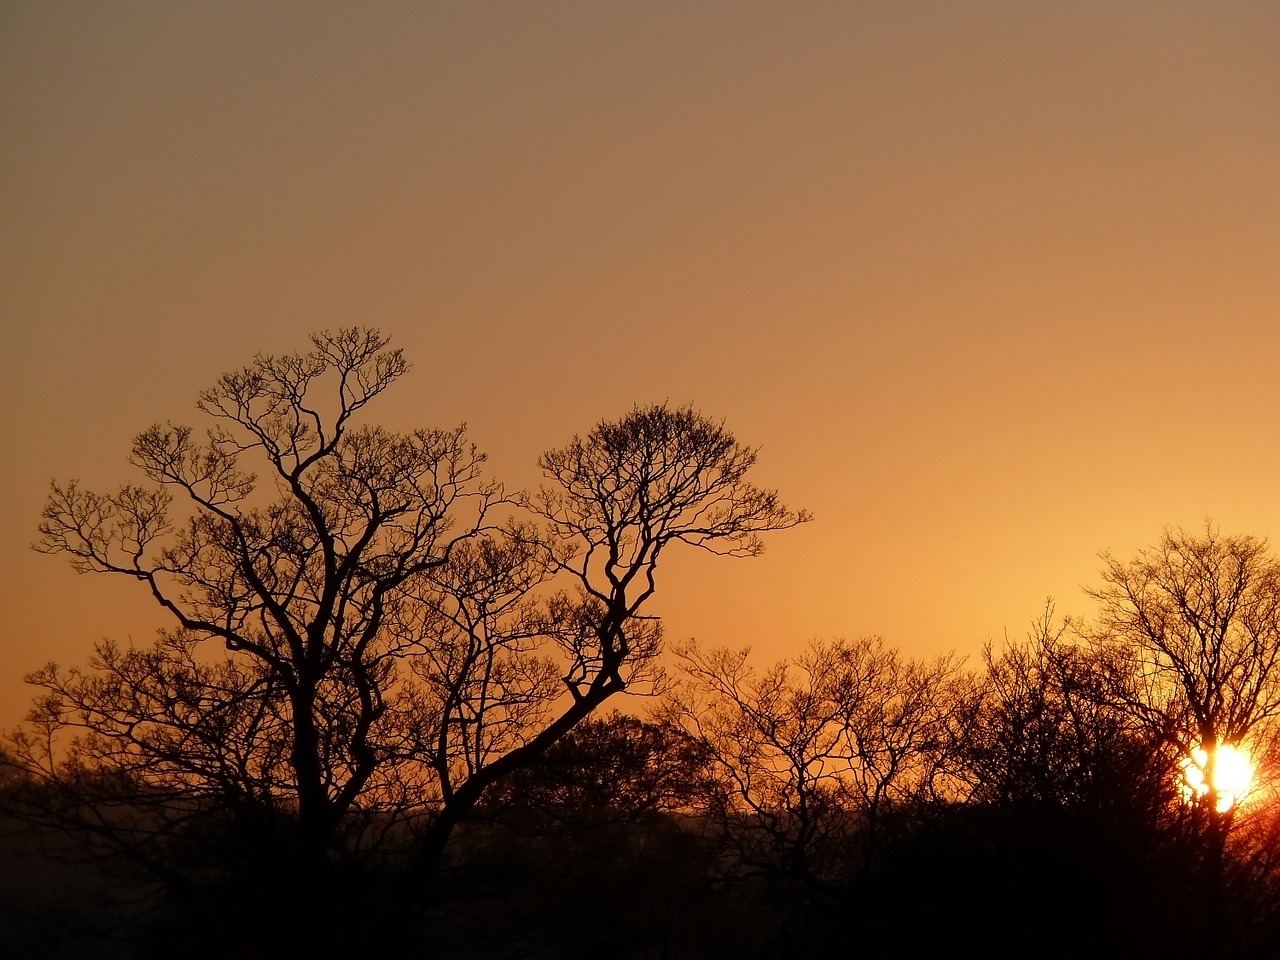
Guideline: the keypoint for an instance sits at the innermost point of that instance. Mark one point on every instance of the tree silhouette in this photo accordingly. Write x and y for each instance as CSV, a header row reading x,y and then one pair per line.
x,y
1051,730
1194,624
808,756
618,499
393,640
616,768
1197,619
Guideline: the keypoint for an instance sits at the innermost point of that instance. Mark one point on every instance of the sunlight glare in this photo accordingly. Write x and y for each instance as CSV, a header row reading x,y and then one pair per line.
x,y
1232,776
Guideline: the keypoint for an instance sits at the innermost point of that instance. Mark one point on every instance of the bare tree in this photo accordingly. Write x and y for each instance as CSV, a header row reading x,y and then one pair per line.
x,y
299,575
1196,620
809,755
393,641
614,768
618,498
1195,624
1052,729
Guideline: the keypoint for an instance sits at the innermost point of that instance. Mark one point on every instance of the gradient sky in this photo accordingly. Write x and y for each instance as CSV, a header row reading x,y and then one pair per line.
x,y
995,285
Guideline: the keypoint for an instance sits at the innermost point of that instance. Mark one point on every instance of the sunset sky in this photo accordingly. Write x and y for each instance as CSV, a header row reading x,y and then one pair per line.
x,y
994,285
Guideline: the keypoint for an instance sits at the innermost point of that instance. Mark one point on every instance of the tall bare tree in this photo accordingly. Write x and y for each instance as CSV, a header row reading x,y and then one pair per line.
x,y
1196,620
617,499
1195,623
299,573
393,640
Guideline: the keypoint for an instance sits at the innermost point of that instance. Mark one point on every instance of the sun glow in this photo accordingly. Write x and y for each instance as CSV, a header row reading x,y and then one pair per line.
x,y
1232,776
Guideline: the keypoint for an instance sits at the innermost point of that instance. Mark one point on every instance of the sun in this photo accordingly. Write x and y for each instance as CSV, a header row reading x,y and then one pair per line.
x,y
1232,775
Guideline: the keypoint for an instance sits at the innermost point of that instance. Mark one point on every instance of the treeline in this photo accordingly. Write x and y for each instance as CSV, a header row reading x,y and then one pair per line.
x,y
851,800
377,723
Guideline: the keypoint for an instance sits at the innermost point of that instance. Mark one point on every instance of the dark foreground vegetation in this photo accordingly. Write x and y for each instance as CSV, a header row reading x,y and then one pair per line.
x,y
376,727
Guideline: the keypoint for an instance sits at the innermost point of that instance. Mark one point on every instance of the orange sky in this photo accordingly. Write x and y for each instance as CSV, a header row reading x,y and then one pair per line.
x,y
995,284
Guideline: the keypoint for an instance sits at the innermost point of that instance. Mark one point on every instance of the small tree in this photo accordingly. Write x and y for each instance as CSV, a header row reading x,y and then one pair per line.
x,y
1052,730
809,756
612,769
